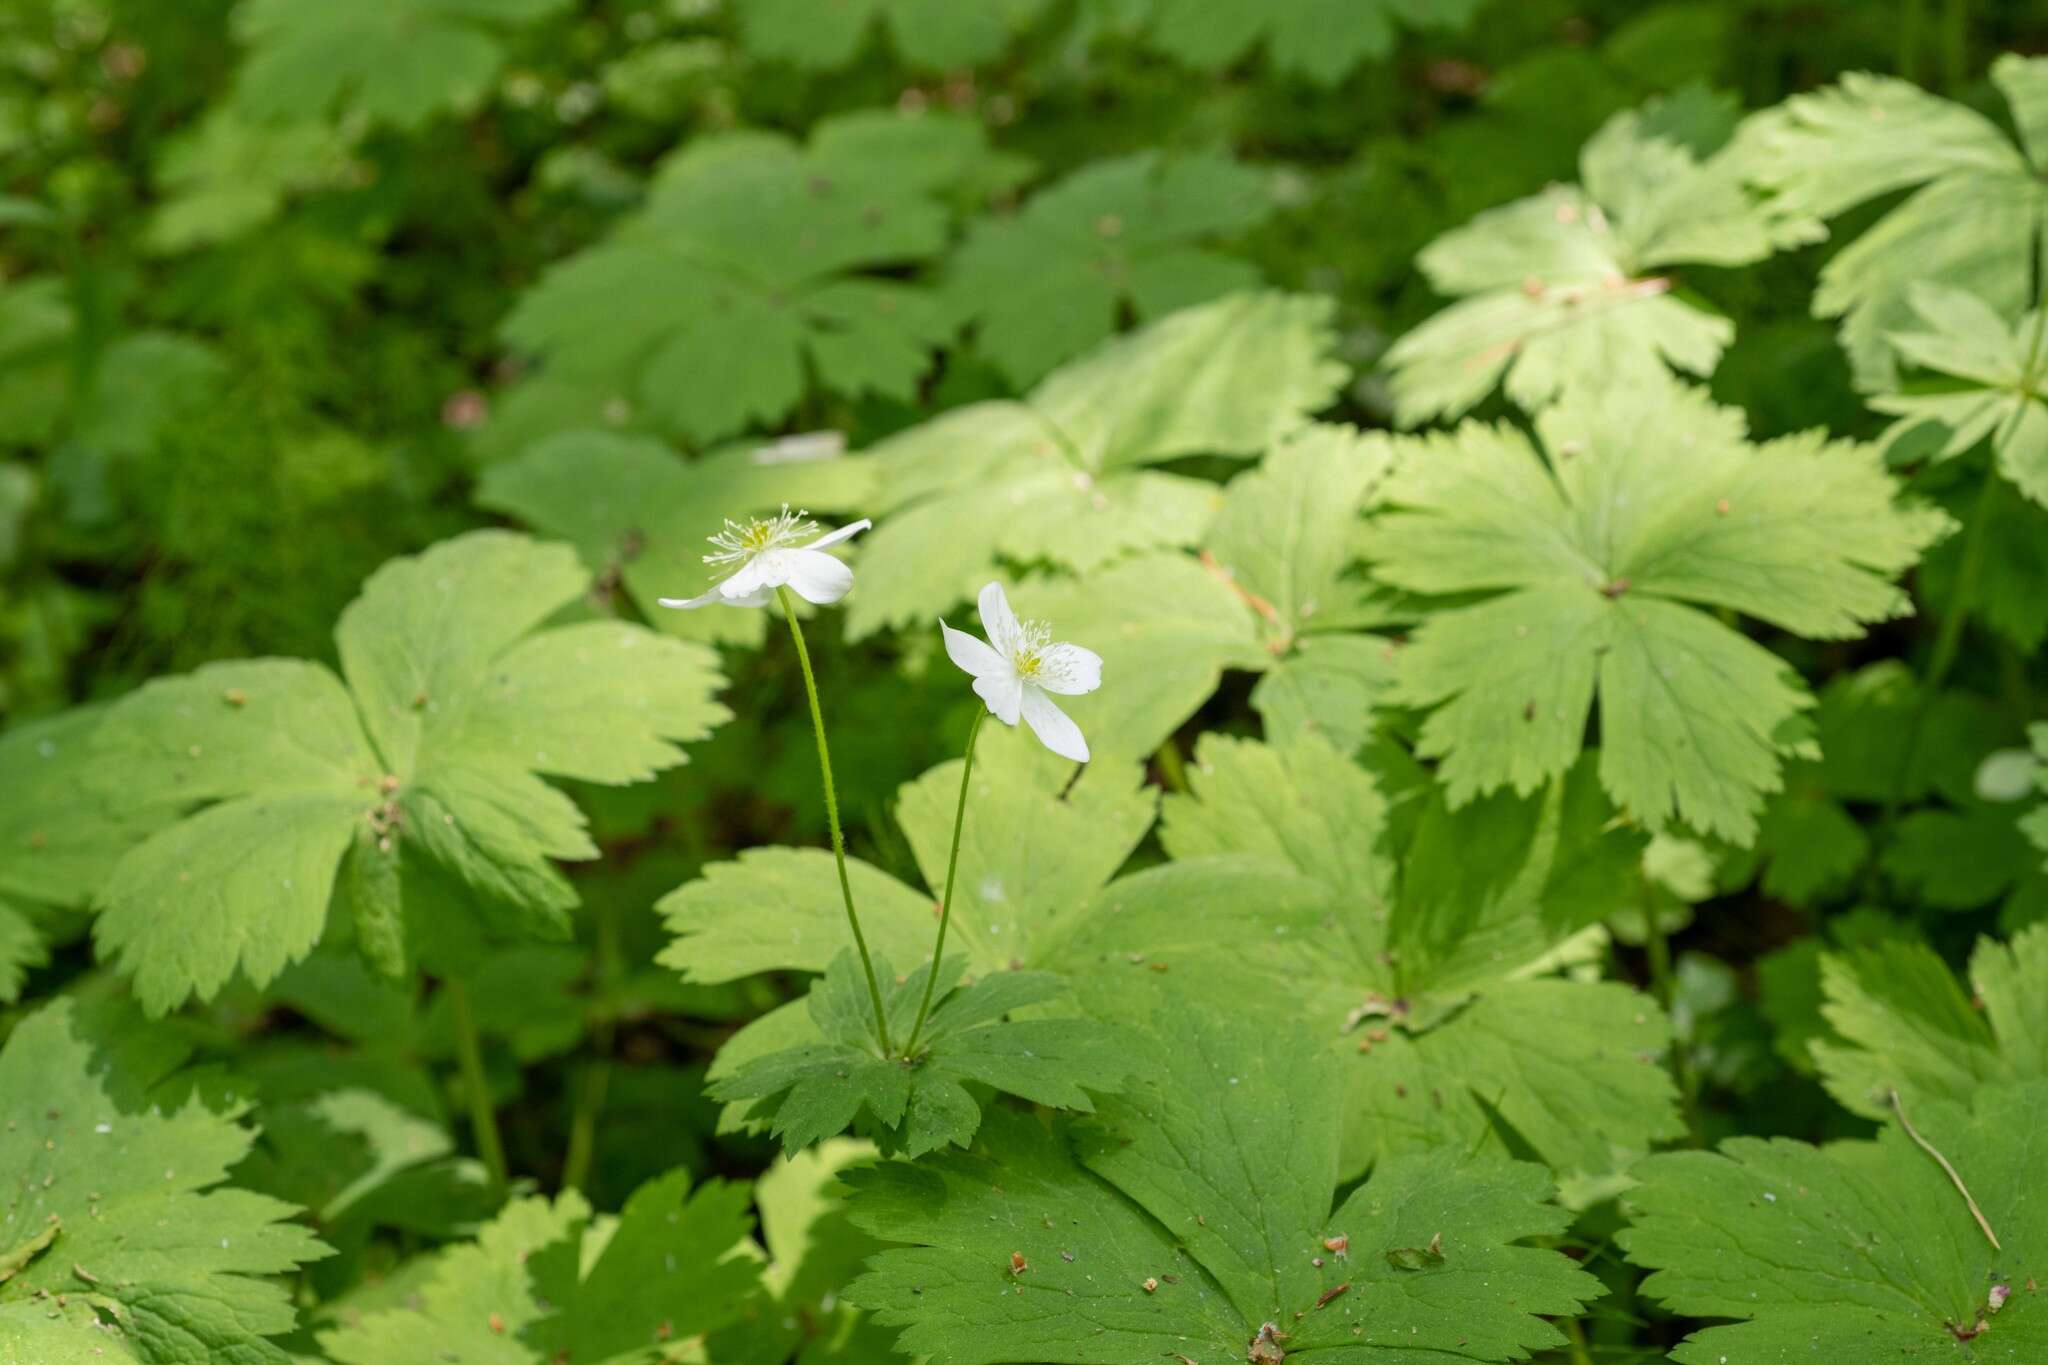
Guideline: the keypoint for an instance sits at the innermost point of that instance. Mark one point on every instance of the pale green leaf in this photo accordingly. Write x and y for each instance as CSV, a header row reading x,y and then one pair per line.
x,y
297,792
1902,1022
1059,477
1597,560
1574,286
228,175
1031,853
1970,223
60,831
1997,387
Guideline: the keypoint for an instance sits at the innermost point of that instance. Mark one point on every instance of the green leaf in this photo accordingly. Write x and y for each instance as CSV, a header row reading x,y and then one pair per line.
x,y
35,357
935,34
1166,629
1196,1221
109,1197
813,1253
1286,533
21,950
398,62
1419,971
1050,281
1061,477
1902,1022
1320,40
1995,372
813,1091
1573,287
1859,1251
454,703
549,1282
1594,566
228,175
1031,853
752,268
639,514
1970,222
58,834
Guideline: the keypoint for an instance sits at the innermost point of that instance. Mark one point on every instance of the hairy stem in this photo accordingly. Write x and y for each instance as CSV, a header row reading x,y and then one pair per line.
x,y
483,1120
952,867
803,658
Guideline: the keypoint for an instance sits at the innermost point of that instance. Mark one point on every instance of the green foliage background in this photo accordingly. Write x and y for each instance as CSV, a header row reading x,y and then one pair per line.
x,y
1559,488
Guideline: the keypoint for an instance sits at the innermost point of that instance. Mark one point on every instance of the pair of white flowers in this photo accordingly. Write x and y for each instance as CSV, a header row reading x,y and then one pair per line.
x,y
1016,671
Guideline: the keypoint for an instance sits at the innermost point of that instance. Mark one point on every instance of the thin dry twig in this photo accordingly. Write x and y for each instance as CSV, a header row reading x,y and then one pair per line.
x,y
1964,1190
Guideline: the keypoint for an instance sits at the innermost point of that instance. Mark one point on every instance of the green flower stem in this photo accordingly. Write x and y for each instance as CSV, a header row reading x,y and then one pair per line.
x,y
803,658
483,1120
952,866
597,1074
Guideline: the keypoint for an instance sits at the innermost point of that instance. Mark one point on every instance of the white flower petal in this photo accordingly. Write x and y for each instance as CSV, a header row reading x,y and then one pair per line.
x,y
998,622
815,576
760,598
1054,728
1069,670
692,603
763,573
1004,693
843,533
975,659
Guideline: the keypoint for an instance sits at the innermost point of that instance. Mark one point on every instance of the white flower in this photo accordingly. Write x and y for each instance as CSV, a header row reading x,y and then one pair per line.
x,y
1019,666
768,558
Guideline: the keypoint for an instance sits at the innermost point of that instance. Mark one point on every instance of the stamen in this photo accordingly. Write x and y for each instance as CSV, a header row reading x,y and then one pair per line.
x,y
740,542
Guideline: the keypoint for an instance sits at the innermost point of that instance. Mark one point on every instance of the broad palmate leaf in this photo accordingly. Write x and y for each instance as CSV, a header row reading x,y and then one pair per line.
x,y
817,1090
1596,572
1903,1023
1993,385
550,1283
1318,39
1285,541
751,270
1421,970
1048,282
1063,478
1573,286
110,1219
1860,1251
394,61
299,790
1197,1222
1972,221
